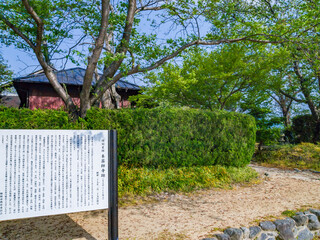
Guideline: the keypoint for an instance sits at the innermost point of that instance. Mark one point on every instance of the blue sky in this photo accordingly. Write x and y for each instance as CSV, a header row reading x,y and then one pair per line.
x,y
22,63
17,60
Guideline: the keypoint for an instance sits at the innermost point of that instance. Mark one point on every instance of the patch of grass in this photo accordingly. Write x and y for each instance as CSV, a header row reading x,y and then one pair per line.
x,y
166,235
285,214
301,156
243,175
217,229
142,182
289,213
265,218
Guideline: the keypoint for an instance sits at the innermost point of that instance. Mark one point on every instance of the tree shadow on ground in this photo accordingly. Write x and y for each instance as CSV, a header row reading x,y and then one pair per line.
x,y
60,227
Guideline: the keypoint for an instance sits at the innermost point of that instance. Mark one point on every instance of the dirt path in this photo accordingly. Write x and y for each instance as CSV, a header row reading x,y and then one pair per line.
x,y
182,217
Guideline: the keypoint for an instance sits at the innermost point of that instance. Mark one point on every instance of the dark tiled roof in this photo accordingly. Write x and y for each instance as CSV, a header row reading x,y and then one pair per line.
x,y
72,76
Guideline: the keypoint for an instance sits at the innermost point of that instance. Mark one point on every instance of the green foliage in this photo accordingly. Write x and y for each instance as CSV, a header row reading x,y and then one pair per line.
x,y
211,80
53,13
302,156
12,118
303,128
165,138
5,74
268,135
267,130
298,77
144,100
289,213
157,138
144,181
162,138
155,32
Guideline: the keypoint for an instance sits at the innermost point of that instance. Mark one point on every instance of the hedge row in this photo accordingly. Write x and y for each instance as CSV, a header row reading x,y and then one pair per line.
x,y
157,138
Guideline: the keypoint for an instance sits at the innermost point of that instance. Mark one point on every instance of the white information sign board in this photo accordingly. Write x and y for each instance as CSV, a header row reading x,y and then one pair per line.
x,y
47,172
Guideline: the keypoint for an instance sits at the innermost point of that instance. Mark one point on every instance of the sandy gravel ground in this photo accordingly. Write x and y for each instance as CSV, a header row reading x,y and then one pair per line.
x,y
180,216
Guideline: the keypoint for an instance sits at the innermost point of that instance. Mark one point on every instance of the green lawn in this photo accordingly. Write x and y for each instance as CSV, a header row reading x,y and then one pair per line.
x,y
144,182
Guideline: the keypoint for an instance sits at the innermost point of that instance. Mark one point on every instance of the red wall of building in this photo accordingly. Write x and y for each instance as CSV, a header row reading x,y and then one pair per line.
x,y
42,97
46,98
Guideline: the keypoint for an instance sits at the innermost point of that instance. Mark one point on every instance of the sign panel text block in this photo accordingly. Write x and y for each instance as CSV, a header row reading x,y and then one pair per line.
x,y
47,172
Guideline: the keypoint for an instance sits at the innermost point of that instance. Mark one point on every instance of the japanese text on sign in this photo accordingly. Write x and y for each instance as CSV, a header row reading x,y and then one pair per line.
x,y
46,172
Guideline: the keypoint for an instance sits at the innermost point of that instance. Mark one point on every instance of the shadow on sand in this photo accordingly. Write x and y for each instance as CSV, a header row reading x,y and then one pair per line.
x,y
60,227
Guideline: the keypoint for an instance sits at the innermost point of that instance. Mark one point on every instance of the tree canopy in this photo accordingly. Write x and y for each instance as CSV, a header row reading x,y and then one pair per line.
x,y
221,79
5,75
122,38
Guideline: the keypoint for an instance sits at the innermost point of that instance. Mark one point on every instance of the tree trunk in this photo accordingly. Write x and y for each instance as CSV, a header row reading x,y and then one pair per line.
x,y
286,115
84,108
111,99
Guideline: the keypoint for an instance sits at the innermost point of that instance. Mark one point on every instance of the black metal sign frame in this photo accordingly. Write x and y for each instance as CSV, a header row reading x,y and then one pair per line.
x,y
113,187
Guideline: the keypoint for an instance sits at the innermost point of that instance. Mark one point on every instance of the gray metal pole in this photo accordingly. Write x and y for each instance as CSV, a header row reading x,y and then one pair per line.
x,y
113,187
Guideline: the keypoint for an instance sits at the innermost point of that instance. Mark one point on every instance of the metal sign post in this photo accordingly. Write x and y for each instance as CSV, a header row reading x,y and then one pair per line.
x,y
113,187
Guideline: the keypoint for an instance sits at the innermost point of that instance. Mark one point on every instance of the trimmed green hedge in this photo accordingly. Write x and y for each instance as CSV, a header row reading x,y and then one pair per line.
x,y
12,118
157,138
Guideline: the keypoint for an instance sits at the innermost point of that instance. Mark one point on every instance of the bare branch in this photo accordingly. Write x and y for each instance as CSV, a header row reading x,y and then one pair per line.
x,y
290,103
148,9
77,43
270,7
292,97
198,27
150,6
132,57
275,99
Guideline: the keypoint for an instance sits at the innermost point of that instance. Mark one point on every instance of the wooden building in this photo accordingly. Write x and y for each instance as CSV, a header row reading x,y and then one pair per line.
x,y
35,91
